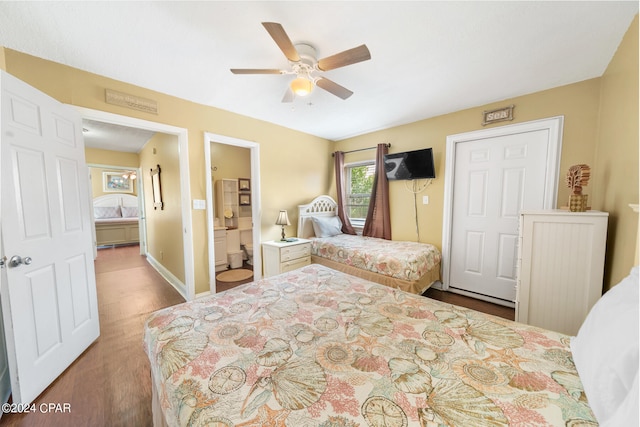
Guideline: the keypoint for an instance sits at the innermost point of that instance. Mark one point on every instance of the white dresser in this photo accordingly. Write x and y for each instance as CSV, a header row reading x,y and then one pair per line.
x,y
280,257
560,267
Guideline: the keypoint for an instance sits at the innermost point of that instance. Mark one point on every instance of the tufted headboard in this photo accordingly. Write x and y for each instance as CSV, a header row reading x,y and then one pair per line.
x,y
116,199
320,206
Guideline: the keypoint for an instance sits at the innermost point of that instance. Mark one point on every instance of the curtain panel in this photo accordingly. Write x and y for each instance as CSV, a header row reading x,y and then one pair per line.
x,y
378,222
347,228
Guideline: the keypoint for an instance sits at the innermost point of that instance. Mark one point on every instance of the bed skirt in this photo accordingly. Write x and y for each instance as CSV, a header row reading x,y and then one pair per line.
x,y
156,410
414,287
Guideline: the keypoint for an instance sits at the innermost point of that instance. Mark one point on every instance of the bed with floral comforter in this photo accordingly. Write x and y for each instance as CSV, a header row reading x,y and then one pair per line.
x,y
317,347
399,259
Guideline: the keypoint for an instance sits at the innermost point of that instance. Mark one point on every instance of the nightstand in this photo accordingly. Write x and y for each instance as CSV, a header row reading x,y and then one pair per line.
x,y
279,257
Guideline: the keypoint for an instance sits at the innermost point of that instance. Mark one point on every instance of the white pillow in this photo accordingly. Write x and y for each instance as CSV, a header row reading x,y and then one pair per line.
x,y
101,212
605,353
129,211
326,226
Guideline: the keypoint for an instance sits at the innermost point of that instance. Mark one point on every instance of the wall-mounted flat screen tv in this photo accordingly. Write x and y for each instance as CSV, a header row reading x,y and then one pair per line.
x,y
416,164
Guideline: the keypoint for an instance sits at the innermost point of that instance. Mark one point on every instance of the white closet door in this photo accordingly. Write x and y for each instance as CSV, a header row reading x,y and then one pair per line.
x,y
495,178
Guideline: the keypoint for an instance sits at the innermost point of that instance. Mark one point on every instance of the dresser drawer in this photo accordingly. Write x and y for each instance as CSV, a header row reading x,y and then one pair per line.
x,y
279,256
297,263
294,252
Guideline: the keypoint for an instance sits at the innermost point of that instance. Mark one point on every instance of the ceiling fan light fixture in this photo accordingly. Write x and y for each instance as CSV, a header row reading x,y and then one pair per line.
x,y
301,86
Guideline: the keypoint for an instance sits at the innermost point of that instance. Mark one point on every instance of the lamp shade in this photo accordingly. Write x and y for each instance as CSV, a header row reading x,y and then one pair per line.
x,y
283,218
301,86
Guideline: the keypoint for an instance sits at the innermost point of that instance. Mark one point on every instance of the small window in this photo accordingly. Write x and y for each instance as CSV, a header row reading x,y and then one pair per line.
x,y
359,183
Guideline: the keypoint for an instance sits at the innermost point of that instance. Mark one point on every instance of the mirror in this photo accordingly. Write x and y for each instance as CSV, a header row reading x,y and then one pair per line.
x,y
157,188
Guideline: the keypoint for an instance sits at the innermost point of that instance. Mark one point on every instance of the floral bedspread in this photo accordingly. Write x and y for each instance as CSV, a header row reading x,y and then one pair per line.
x,y
316,347
402,260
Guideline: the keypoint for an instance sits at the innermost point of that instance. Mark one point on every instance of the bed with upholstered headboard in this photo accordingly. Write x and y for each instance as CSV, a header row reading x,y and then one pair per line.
x,y
117,219
410,266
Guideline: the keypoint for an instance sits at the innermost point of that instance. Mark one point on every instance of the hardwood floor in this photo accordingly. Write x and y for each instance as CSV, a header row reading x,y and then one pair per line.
x,y
109,384
472,303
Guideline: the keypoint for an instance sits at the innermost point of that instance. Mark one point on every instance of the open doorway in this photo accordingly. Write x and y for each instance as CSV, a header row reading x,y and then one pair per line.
x,y
186,285
118,206
236,207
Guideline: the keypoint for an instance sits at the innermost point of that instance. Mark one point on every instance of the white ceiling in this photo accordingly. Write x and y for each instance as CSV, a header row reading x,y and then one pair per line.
x,y
428,58
114,137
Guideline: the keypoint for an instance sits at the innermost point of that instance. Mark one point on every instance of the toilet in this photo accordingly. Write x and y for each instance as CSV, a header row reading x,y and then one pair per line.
x,y
246,238
234,253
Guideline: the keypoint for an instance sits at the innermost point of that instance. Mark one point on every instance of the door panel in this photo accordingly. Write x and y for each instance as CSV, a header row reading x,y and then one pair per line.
x,y
494,179
43,295
49,302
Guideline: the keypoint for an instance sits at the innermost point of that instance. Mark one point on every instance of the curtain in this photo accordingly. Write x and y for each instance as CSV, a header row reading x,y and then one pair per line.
x,y
378,222
347,228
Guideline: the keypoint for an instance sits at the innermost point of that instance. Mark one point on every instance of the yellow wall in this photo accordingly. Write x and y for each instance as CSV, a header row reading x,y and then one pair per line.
x,y
164,226
578,103
111,158
108,158
284,152
616,167
600,129
229,161
97,187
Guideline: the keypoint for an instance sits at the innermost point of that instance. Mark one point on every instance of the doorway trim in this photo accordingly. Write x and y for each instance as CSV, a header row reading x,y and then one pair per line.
x,y
188,292
256,208
554,127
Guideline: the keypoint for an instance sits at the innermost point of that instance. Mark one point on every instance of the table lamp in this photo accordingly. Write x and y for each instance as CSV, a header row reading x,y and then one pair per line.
x,y
283,219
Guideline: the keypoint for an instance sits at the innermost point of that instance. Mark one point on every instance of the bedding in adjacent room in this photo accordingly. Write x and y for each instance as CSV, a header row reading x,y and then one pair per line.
x,y
116,219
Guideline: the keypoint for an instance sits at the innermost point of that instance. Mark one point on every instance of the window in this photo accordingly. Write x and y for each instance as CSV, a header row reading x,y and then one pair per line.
x,y
359,183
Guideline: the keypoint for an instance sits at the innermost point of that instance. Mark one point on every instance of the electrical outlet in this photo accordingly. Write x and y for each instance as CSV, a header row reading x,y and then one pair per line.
x,y
425,200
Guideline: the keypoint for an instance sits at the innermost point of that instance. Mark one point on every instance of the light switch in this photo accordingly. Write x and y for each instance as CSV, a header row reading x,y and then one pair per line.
x,y
425,200
199,204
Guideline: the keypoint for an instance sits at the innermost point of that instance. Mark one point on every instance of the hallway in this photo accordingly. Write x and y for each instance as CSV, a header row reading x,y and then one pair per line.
x,y
110,384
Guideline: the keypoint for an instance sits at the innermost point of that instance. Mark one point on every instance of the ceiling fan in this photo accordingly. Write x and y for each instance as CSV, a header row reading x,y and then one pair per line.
x,y
305,66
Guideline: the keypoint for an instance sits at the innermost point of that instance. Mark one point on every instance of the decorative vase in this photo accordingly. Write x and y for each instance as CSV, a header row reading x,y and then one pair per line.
x,y
578,202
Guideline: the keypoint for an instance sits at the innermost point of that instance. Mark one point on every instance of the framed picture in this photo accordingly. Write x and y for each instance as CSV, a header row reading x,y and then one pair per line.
x,y
114,182
245,199
244,184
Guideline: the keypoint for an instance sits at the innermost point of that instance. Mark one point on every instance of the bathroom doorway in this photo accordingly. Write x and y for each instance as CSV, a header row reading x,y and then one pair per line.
x,y
233,210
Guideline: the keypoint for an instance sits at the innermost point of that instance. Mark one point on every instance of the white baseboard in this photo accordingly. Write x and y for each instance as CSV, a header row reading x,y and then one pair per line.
x,y
487,298
168,276
203,294
438,285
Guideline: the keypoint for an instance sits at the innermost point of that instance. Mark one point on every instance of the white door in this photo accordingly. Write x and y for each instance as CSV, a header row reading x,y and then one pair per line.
x,y
48,288
495,176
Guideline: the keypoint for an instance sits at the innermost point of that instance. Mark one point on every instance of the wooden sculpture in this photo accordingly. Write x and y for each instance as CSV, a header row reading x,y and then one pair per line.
x,y
578,177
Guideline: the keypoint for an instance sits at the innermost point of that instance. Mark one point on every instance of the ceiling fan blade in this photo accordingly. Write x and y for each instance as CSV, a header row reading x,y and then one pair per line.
x,y
334,88
348,57
289,96
281,38
255,71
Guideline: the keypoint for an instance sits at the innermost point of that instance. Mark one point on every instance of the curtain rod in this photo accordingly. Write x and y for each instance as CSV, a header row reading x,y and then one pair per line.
x,y
361,149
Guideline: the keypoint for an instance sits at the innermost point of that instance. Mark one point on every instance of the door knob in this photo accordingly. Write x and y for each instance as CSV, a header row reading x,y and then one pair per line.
x,y
15,261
